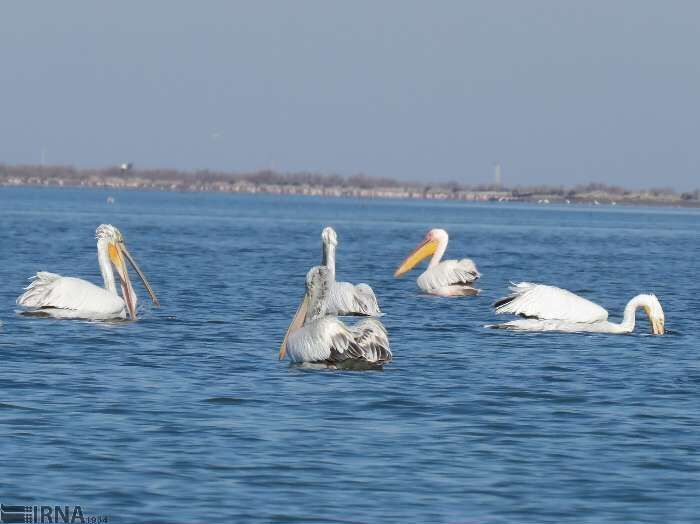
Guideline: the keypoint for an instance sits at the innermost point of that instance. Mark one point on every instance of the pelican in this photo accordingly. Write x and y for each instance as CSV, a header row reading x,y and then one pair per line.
x,y
313,337
70,297
449,278
549,308
343,297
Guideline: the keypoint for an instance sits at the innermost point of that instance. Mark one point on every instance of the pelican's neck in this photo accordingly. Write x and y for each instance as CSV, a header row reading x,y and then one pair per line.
x,y
316,311
106,266
317,306
628,319
329,259
437,256
317,296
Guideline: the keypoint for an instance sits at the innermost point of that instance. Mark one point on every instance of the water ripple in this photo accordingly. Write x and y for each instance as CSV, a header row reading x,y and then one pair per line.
x,y
188,416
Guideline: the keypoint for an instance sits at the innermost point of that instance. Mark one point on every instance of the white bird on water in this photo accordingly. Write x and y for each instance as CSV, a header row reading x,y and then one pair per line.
x,y
345,298
313,337
69,297
447,278
549,308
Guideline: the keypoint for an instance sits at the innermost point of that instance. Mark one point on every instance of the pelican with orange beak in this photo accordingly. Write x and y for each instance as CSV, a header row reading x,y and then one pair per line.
x,y
446,278
52,295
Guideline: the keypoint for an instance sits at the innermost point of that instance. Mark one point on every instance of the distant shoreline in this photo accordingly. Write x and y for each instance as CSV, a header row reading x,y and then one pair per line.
x,y
312,184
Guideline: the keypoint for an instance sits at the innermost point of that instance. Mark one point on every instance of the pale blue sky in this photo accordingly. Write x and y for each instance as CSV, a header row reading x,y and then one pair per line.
x,y
559,92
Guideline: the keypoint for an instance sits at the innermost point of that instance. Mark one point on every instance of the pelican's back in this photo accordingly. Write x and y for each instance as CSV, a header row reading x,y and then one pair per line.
x,y
318,339
347,299
549,303
448,273
371,341
328,340
49,290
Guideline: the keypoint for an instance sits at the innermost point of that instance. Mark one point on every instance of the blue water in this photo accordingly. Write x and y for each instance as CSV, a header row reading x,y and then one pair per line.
x,y
188,416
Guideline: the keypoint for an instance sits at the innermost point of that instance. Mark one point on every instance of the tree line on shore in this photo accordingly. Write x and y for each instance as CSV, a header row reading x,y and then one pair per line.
x,y
74,176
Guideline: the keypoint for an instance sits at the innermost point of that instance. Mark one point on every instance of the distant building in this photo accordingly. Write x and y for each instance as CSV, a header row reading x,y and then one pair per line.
x,y
126,167
497,174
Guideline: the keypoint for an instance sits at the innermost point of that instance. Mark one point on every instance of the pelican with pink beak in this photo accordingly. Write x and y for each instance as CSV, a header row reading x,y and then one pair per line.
x,y
444,278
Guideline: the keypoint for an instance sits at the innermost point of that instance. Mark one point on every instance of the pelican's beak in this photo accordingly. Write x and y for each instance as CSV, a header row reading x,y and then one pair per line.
x,y
297,322
657,322
424,250
143,278
660,330
117,258
657,325
117,254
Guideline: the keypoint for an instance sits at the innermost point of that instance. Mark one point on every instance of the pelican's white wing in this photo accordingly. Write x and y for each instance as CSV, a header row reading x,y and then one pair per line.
x,y
549,303
448,273
51,291
346,299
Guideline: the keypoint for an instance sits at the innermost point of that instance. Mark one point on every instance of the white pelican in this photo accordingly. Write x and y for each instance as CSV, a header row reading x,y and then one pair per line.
x,y
69,297
343,297
315,338
449,278
549,308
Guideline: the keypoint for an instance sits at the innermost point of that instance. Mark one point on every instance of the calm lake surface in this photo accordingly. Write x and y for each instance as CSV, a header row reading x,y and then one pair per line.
x,y
187,415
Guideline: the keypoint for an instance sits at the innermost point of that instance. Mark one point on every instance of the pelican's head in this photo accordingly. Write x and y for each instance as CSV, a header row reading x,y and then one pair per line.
x,y
655,312
111,238
312,305
433,239
329,237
